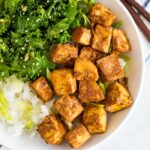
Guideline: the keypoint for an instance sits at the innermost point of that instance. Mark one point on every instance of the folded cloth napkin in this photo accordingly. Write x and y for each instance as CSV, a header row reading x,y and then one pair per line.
x,y
146,45
146,5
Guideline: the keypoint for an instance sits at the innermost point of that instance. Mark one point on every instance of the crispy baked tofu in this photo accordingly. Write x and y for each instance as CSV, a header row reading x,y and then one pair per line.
x,y
102,38
68,107
90,91
95,119
120,41
117,98
43,89
110,68
52,130
85,69
99,14
82,36
63,81
89,53
78,136
64,54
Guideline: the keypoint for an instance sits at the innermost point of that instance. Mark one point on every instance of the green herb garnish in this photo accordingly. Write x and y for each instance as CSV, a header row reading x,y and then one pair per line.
x,y
118,24
103,86
110,48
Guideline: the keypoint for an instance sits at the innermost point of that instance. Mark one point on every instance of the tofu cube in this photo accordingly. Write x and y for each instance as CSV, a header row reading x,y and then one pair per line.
x,y
102,38
110,68
117,98
64,54
95,119
85,69
90,91
52,130
89,53
63,82
68,107
120,41
78,136
100,14
82,36
43,89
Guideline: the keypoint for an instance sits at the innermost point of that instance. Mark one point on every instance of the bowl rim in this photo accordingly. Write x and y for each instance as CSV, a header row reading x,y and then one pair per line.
x,y
139,90
140,85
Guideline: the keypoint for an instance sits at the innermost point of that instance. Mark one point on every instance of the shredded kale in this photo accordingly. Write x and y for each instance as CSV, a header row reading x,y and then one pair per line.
x,y
28,28
118,24
4,24
103,86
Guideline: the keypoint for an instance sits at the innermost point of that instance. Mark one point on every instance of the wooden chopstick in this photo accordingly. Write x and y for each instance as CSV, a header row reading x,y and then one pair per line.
x,y
140,9
137,19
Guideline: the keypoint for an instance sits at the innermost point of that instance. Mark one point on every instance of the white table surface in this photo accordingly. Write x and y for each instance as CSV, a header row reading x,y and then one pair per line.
x,y
135,134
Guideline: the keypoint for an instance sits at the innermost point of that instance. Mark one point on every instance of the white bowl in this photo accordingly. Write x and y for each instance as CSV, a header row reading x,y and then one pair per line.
x,y
116,120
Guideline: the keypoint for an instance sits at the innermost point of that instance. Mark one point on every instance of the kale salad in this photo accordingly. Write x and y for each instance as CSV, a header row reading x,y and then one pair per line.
x,y
28,28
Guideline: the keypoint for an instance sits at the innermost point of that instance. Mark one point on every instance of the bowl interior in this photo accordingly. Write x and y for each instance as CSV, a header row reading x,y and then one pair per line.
x,y
135,80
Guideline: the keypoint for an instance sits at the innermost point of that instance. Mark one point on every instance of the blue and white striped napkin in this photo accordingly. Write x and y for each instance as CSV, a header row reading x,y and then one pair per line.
x,y
146,5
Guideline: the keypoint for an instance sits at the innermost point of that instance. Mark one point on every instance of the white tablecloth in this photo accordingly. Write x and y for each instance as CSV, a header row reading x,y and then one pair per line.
x,y
135,134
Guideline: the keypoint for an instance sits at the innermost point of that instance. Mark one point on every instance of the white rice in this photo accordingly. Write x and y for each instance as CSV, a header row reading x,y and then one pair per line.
x,y
18,93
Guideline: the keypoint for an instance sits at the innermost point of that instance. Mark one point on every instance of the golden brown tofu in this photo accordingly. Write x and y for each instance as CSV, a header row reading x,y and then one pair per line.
x,y
63,81
95,119
64,54
69,107
100,14
90,91
89,53
85,69
117,98
78,136
110,68
82,36
43,89
120,41
52,130
102,38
